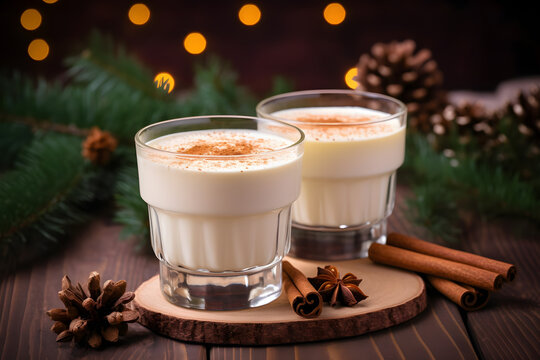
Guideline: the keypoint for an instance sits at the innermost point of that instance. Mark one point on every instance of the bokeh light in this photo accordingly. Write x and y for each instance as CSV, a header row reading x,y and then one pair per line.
x,y
30,19
349,78
139,14
50,1
334,13
38,49
195,43
249,14
165,80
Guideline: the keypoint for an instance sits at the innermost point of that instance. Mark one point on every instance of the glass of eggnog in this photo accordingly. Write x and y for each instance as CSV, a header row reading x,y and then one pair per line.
x,y
355,141
219,191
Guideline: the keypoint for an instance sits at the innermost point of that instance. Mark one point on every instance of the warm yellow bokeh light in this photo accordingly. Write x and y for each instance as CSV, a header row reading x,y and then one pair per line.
x,y
195,43
30,19
38,49
139,14
349,78
164,80
50,1
249,14
334,13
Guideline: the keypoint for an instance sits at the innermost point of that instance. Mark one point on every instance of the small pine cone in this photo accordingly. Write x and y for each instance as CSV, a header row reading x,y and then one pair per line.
x,y
470,121
98,146
396,70
526,110
91,318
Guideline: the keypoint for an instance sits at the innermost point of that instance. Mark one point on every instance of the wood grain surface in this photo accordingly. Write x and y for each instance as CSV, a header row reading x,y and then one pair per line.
x,y
26,294
507,328
437,333
394,296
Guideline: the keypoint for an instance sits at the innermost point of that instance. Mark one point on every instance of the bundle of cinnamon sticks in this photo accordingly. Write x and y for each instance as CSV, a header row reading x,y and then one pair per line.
x,y
465,278
304,299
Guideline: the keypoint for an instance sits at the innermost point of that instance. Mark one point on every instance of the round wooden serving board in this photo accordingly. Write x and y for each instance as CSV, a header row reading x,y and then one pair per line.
x,y
394,296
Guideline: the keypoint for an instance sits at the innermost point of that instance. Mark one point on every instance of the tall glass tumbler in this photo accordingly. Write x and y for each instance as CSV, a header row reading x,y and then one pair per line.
x,y
219,191
355,142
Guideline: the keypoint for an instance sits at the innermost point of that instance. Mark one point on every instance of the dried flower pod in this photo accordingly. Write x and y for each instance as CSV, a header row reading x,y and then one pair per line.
x,y
89,318
334,290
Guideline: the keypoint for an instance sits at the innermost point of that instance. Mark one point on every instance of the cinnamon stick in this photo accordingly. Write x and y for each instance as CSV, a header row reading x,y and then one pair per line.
x,y
410,260
508,271
465,296
304,299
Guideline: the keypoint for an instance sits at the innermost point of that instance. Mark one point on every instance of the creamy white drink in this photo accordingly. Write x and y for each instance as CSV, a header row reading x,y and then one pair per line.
x,y
349,160
219,196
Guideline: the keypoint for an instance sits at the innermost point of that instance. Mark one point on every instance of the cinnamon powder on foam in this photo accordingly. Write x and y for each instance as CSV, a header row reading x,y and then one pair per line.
x,y
335,127
221,143
225,148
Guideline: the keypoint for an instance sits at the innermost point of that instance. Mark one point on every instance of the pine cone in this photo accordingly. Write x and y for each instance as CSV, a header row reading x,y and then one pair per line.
x,y
394,69
470,121
101,314
98,146
526,110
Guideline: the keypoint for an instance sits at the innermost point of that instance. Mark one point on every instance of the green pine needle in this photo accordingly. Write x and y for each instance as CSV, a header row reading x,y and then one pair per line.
x,y
133,211
446,189
46,192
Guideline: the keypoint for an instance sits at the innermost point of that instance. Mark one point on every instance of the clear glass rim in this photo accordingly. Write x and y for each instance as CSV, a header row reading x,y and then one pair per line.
x,y
143,145
402,108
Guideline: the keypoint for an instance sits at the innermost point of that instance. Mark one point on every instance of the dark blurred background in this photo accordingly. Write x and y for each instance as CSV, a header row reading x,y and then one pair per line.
x,y
477,43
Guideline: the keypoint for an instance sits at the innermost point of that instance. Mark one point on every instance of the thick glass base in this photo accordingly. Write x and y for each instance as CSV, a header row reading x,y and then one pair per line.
x,y
325,243
220,291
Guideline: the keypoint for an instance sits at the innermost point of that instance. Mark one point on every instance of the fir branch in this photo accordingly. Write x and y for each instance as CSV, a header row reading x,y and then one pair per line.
x,y
217,91
107,67
280,85
133,211
13,139
46,192
42,104
447,188
45,126
435,208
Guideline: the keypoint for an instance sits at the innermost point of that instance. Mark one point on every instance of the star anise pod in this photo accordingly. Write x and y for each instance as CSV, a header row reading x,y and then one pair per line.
x,y
334,289
90,318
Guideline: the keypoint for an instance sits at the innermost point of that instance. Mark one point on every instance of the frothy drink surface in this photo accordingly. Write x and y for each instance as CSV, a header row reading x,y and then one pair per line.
x,y
350,156
344,123
210,146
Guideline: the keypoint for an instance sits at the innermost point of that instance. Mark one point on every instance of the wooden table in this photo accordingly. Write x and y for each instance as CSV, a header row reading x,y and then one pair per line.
x,y
508,328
